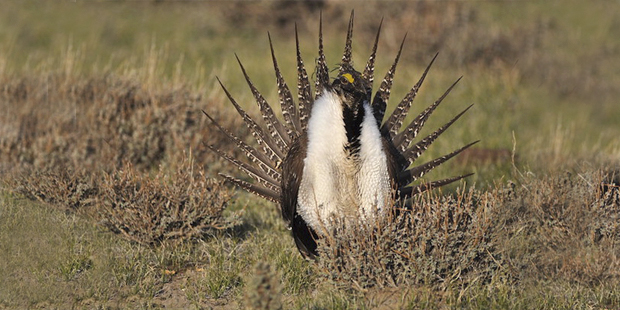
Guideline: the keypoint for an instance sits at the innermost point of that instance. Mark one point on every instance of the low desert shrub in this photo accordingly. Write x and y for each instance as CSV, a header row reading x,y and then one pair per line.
x,y
564,226
437,240
70,189
561,226
148,210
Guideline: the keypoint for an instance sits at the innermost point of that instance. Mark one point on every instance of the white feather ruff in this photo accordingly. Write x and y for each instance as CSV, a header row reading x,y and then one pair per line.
x,y
373,178
334,186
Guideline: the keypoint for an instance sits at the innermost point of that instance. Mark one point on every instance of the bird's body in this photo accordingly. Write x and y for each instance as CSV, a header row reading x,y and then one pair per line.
x,y
333,161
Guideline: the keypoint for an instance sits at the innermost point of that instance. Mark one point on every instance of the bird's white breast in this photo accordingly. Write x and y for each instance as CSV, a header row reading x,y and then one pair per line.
x,y
335,186
373,179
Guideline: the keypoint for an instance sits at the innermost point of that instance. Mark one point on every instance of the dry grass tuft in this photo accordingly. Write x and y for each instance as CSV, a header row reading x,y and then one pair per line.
x,y
182,206
437,241
565,227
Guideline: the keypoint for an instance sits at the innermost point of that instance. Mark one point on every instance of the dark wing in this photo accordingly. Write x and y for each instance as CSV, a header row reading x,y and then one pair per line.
x,y
292,172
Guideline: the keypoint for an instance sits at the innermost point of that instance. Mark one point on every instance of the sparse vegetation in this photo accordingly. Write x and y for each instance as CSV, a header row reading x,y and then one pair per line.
x,y
108,197
150,211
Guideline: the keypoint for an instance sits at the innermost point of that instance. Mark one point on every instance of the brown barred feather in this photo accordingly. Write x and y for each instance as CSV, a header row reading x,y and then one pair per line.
x,y
379,103
257,158
369,71
414,151
346,55
289,111
403,139
254,189
273,125
254,173
410,175
322,73
392,125
269,147
410,191
303,88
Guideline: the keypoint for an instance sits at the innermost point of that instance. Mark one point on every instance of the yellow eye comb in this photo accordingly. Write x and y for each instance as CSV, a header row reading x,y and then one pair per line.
x,y
349,77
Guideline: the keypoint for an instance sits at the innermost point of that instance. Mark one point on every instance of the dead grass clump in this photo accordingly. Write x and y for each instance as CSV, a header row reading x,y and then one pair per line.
x,y
439,240
564,226
554,228
100,123
148,210
70,189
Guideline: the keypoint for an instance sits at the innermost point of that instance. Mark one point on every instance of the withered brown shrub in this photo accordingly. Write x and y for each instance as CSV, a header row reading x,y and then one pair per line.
x,y
438,240
101,122
555,227
74,142
564,226
148,210
65,188
182,205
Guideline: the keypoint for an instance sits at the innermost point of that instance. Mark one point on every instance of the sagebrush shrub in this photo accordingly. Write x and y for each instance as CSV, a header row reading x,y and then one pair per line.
x,y
564,226
149,210
72,189
437,240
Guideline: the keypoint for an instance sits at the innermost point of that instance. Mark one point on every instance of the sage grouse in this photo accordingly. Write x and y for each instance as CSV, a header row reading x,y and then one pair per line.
x,y
333,158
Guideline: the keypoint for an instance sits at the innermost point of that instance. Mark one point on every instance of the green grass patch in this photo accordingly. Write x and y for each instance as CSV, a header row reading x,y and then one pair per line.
x,y
105,98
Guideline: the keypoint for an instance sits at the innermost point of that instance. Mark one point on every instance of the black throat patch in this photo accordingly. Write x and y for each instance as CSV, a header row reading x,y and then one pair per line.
x,y
353,126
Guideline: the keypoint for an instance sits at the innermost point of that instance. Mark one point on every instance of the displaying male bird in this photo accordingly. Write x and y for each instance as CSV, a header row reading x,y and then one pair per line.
x,y
333,160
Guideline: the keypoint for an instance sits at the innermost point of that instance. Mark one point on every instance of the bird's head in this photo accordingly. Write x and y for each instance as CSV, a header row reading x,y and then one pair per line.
x,y
352,89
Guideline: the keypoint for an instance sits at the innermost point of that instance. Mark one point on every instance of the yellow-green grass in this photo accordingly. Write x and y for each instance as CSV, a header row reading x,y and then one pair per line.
x,y
542,76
